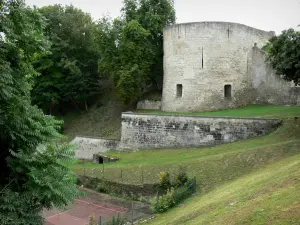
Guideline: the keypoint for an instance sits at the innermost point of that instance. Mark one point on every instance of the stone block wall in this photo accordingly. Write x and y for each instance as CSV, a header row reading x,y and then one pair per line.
x,y
148,104
270,88
202,58
86,147
144,131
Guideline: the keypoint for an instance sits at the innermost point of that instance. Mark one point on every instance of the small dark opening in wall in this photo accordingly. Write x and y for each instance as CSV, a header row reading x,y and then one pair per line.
x,y
179,90
227,91
202,62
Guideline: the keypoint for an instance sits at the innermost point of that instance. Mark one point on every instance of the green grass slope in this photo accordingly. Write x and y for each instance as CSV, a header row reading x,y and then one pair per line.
x,y
263,111
212,166
270,195
254,181
102,121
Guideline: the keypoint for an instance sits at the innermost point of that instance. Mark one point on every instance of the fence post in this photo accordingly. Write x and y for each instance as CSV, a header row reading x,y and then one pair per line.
x,y
156,200
122,175
103,171
142,177
100,223
132,213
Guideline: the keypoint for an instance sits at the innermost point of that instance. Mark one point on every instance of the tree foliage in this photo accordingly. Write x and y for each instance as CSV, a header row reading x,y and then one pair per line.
x,y
284,54
132,46
69,73
32,171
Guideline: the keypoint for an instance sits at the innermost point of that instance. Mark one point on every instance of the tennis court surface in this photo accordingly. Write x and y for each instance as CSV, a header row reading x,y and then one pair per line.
x,y
97,204
79,213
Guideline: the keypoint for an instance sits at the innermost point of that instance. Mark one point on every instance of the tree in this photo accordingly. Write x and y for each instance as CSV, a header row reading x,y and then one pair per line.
x,y
284,54
132,46
70,73
32,171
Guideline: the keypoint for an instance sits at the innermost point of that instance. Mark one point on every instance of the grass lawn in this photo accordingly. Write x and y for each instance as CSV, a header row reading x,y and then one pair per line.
x,y
212,166
260,111
270,195
254,181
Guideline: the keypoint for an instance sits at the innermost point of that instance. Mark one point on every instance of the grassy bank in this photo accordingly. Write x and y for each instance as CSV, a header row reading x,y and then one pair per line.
x,y
268,196
212,166
254,181
260,111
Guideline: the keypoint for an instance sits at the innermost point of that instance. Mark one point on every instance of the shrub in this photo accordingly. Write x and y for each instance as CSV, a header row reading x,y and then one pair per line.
x,y
184,191
116,220
174,196
164,180
181,178
92,221
164,202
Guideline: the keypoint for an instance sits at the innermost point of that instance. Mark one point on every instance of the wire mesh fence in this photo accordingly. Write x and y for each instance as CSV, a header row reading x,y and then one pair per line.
x,y
136,211
131,176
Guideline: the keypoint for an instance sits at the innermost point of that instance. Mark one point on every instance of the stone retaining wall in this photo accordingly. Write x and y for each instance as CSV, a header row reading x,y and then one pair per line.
x,y
88,146
145,131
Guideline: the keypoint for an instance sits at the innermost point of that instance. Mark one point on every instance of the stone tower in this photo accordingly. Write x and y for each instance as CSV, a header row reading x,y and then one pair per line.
x,y
208,65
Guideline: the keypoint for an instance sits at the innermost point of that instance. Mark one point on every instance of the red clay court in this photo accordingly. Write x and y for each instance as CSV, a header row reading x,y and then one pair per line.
x,y
79,213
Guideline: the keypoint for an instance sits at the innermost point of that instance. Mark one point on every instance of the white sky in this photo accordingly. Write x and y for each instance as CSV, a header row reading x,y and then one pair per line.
x,y
275,15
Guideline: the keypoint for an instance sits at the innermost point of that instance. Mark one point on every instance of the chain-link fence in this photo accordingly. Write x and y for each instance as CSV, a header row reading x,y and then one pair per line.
x,y
131,176
136,211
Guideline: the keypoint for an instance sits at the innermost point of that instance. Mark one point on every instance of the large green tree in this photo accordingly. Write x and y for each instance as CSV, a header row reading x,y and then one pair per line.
x,y
132,46
69,73
32,171
284,54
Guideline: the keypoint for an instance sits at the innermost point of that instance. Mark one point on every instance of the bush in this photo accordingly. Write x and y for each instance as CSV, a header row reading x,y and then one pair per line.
x,y
185,191
174,196
164,180
181,178
116,220
164,202
92,220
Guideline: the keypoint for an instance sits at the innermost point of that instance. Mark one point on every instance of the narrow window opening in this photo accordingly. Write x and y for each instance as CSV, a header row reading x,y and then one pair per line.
x,y
228,32
202,59
179,90
227,91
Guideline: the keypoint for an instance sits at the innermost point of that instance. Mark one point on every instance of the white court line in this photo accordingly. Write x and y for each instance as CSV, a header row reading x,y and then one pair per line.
x,y
74,217
58,214
99,206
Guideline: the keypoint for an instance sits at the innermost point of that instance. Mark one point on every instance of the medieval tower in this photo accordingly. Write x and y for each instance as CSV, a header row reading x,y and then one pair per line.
x,y
218,65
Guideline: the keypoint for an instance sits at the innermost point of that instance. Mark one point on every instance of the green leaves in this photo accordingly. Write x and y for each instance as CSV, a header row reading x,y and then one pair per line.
x,y
33,174
284,54
132,46
74,57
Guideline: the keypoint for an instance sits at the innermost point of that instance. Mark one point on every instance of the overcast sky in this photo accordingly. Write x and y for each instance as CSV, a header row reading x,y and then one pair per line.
x,y
275,15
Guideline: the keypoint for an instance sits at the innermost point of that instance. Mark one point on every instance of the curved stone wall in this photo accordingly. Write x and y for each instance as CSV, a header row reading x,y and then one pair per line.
x,y
201,58
149,131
